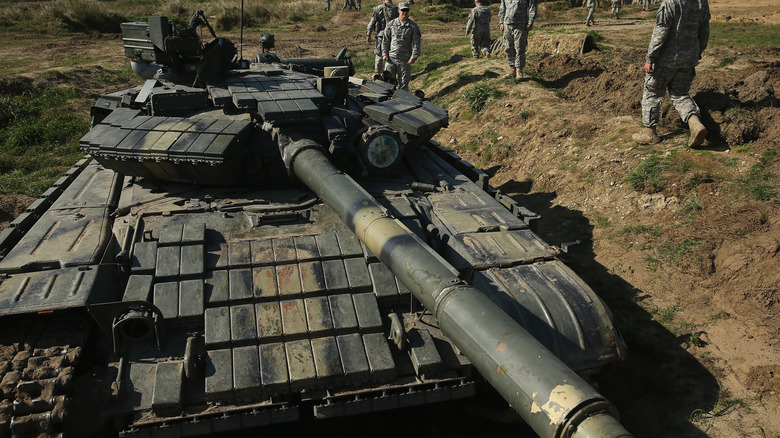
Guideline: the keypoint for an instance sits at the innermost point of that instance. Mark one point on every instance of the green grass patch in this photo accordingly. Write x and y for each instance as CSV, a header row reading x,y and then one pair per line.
x,y
723,405
647,176
669,317
652,230
600,221
363,62
39,135
482,94
675,252
698,179
744,34
691,205
724,62
760,179
436,53
740,113
445,13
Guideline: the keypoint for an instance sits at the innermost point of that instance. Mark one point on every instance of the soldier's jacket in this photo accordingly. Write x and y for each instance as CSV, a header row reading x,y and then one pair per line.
x,y
401,40
381,15
479,20
681,33
517,12
590,4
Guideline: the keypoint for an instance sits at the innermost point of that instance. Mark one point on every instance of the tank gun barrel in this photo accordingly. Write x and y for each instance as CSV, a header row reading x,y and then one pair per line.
x,y
549,396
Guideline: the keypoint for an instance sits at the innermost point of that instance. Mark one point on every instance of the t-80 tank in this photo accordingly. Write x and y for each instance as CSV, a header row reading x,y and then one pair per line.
x,y
250,243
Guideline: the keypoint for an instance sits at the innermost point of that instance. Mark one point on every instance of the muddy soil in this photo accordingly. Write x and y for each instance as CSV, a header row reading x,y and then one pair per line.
x,y
700,318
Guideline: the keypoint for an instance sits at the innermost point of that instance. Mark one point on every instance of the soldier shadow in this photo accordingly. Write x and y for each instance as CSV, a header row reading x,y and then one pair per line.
x,y
463,81
434,65
563,81
660,385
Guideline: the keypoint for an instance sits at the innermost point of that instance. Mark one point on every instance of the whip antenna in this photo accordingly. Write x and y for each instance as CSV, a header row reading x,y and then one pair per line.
x,y
241,35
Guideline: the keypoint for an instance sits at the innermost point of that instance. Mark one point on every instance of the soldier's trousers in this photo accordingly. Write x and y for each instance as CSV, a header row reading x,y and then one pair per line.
x,y
480,42
591,10
678,82
401,71
379,63
616,7
515,43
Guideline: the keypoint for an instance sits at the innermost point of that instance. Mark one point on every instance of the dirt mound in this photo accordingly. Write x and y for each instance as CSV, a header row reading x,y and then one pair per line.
x,y
738,105
765,381
611,82
11,206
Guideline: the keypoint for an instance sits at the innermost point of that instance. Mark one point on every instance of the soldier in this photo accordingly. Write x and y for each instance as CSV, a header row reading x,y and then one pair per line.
x,y
616,8
591,5
479,26
401,46
348,4
680,35
327,5
515,19
381,15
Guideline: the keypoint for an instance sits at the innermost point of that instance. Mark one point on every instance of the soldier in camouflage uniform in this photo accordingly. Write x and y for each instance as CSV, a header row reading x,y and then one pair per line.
x,y
401,46
591,5
349,4
479,27
515,19
680,35
381,15
616,8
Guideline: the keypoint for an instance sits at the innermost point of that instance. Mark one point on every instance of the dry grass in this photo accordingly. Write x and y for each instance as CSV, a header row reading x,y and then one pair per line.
x,y
60,16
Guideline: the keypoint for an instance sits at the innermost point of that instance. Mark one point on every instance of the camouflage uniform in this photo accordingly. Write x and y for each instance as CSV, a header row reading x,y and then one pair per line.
x,y
616,8
401,43
349,4
680,35
479,26
515,15
591,5
381,15
327,5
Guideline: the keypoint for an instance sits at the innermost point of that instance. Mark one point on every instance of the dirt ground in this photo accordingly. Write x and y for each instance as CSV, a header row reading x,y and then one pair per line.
x,y
702,326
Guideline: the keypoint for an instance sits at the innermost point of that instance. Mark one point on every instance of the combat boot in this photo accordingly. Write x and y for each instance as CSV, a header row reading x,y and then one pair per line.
x,y
511,74
698,132
519,76
647,136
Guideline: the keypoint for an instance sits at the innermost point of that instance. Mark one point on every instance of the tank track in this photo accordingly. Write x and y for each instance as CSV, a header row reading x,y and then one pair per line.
x,y
37,368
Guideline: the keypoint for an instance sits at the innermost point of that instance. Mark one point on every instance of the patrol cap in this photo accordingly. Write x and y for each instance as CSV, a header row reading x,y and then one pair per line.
x,y
403,5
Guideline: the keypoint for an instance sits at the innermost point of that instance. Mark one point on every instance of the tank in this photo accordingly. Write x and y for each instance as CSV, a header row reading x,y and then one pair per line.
x,y
258,242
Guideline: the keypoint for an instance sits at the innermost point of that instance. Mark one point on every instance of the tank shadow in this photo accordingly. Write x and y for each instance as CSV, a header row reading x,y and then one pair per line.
x,y
660,385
